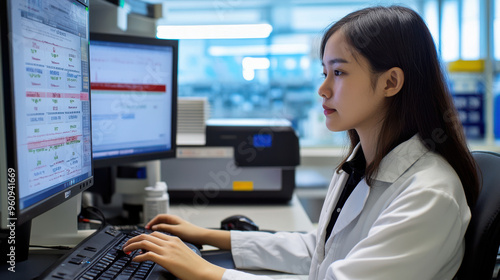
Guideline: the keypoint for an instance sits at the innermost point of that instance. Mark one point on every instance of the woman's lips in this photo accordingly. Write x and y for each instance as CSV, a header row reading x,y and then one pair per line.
x,y
328,111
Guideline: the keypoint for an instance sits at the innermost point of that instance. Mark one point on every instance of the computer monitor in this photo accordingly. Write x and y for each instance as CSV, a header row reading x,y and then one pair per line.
x,y
134,115
45,125
134,98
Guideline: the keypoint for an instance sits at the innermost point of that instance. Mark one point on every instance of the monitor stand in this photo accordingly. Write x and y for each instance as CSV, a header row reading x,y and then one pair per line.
x,y
59,226
132,189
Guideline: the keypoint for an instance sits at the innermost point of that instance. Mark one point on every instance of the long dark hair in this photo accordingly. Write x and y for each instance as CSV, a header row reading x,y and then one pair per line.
x,y
398,37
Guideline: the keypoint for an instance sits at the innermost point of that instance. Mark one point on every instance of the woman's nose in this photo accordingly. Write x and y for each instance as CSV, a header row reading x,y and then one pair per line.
x,y
325,90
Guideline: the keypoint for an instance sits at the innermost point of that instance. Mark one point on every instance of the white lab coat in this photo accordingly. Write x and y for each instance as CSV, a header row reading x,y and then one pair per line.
x,y
409,225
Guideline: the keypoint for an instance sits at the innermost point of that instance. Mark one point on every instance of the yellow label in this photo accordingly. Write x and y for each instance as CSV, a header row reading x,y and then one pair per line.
x,y
242,186
466,66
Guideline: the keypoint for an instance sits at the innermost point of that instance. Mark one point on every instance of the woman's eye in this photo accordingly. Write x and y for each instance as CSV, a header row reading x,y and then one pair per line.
x,y
324,75
337,73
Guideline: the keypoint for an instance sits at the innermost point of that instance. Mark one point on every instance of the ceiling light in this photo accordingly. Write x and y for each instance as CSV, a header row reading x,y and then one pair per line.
x,y
236,31
262,50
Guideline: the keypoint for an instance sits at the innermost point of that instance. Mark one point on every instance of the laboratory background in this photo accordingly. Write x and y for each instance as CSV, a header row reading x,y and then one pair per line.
x,y
272,69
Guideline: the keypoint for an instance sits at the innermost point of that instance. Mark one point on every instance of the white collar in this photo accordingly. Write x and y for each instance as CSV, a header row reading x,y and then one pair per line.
x,y
399,159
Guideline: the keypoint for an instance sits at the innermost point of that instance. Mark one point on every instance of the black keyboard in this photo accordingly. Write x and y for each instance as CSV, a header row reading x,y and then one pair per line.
x,y
100,256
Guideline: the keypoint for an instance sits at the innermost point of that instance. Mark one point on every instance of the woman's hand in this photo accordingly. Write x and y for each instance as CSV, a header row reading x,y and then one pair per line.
x,y
189,232
172,254
178,227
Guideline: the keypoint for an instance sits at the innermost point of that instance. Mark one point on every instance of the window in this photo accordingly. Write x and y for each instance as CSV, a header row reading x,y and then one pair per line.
x,y
278,76
431,17
470,30
449,31
496,29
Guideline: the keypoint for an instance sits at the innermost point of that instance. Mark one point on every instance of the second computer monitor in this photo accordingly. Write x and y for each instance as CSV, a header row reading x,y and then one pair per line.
x,y
134,97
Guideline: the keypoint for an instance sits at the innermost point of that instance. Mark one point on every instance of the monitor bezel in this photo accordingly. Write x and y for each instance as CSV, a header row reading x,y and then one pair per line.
x,y
8,114
134,158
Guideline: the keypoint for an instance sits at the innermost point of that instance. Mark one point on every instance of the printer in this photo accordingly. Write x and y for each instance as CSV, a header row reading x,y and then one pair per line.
x,y
242,160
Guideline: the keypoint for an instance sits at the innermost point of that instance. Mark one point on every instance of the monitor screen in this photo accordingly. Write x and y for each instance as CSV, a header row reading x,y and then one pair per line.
x,y
134,95
46,104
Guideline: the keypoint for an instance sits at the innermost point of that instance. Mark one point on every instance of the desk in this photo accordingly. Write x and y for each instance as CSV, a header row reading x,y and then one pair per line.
x,y
281,217
286,217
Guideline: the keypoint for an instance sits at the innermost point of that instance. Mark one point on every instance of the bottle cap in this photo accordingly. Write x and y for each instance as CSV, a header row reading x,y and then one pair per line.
x,y
161,185
154,191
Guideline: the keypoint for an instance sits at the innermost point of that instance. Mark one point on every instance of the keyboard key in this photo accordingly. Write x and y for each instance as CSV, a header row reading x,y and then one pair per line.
x,y
76,261
91,249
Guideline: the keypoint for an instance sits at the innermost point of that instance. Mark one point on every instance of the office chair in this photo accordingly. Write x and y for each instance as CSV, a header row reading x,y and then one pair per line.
x,y
483,234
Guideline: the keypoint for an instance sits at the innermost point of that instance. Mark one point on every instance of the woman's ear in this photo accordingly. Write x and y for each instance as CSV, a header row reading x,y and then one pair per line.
x,y
394,79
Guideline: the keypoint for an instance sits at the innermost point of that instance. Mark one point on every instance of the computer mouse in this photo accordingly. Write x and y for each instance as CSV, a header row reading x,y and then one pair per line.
x,y
238,222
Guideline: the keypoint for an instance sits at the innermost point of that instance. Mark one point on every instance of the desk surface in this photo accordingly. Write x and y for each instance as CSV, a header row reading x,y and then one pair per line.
x,y
281,217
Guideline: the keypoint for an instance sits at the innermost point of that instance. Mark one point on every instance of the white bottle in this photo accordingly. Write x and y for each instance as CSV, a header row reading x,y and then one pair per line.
x,y
156,201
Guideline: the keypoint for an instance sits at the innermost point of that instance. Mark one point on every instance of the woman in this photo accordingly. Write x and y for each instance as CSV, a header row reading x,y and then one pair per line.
x,y
398,205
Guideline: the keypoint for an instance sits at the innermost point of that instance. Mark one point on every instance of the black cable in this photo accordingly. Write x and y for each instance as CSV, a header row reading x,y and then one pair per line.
x,y
96,212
